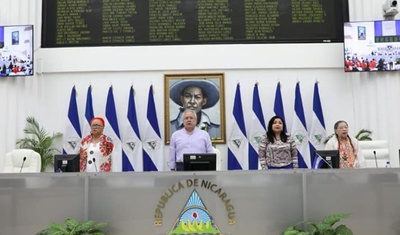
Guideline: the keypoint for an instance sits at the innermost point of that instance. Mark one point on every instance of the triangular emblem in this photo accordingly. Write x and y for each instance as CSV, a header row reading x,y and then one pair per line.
x,y
72,143
195,219
131,145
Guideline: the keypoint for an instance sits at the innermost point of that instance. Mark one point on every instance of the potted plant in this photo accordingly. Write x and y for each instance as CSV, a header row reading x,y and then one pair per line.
x,y
325,227
74,227
39,141
362,135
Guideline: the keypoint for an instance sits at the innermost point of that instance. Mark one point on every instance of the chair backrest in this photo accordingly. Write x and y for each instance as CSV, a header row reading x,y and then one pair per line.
x,y
218,154
381,148
14,161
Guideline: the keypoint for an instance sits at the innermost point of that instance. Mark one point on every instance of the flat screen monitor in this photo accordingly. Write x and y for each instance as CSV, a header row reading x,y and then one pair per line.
x,y
199,161
327,158
372,46
16,50
66,163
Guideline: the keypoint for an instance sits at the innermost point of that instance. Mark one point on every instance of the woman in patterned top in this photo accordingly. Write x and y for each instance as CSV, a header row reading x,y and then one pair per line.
x,y
96,149
349,151
277,150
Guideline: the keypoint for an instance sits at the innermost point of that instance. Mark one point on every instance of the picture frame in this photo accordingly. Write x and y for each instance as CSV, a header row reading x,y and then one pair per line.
x,y
15,38
209,104
362,33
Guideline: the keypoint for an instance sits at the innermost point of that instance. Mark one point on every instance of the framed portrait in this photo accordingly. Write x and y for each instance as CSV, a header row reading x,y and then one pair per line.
x,y
362,33
15,38
203,93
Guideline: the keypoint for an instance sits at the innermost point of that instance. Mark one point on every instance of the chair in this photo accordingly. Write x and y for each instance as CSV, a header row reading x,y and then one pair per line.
x,y
14,161
381,148
218,155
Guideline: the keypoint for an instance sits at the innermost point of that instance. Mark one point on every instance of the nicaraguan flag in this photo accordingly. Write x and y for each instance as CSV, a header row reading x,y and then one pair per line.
x,y
278,104
257,129
318,130
238,144
72,135
89,114
152,142
299,131
113,132
132,151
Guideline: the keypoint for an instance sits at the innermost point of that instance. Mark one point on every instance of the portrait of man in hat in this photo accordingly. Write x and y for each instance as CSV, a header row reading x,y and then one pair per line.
x,y
200,95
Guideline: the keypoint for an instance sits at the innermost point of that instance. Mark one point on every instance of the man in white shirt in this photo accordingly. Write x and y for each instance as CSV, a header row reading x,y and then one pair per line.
x,y
189,139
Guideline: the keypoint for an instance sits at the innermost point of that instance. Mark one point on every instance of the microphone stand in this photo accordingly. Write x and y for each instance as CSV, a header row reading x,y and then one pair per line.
x,y
94,161
22,165
376,161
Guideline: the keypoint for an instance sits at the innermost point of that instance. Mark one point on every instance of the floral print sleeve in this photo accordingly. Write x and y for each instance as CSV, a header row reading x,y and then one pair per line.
x,y
106,148
262,156
293,152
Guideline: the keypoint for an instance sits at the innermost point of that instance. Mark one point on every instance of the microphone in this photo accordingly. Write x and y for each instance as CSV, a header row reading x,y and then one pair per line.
x,y
22,165
94,161
376,161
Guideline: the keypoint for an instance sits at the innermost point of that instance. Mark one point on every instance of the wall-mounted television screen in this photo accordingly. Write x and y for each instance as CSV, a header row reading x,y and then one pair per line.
x,y
16,50
372,46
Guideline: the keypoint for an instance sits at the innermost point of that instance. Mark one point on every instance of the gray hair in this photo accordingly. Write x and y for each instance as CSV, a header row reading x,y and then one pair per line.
x,y
190,111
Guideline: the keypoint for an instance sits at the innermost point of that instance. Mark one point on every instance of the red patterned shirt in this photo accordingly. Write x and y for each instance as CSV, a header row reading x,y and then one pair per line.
x,y
106,147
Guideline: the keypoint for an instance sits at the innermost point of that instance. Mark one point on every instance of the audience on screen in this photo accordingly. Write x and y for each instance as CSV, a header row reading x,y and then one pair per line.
x,y
14,66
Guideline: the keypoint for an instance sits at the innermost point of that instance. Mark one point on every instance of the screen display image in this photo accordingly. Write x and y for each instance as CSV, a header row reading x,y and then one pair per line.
x,y
66,163
200,162
372,46
327,158
16,50
75,23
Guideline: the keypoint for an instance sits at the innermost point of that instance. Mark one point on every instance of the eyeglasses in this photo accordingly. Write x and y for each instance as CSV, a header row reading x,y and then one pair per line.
x,y
96,126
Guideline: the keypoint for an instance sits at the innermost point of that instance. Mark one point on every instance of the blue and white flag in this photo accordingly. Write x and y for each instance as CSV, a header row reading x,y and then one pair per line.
x,y
278,105
132,151
112,131
237,143
152,142
299,131
257,130
72,136
318,130
89,114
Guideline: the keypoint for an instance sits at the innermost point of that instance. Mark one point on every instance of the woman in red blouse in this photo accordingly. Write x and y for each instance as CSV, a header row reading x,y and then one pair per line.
x,y
96,149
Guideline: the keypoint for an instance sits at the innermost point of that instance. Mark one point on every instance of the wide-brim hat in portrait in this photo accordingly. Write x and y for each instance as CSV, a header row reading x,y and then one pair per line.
x,y
209,88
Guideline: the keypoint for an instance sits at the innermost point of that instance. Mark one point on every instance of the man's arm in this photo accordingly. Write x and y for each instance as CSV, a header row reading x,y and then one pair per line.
x,y
209,147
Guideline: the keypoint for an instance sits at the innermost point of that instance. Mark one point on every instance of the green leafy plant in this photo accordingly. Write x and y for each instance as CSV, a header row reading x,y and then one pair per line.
x,y
325,227
39,141
362,135
74,227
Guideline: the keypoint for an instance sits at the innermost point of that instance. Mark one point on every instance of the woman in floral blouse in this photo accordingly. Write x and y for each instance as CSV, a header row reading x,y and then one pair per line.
x,y
96,149
277,150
